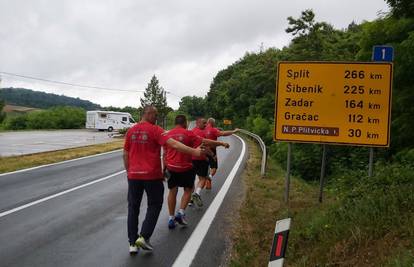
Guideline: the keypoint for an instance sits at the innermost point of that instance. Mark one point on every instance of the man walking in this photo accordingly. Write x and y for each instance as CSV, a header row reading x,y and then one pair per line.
x,y
212,133
179,166
142,162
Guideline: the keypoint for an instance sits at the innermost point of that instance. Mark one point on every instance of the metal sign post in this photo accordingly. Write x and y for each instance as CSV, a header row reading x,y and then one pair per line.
x,y
287,180
322,182
371,161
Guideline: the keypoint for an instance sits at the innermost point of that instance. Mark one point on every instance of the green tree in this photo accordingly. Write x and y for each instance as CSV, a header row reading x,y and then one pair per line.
x,y
2,114
155,95
401,8
193,106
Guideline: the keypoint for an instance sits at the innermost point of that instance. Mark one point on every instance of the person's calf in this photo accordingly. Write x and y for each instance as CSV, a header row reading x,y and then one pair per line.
x,y
172,200
213,171
185,199
201,183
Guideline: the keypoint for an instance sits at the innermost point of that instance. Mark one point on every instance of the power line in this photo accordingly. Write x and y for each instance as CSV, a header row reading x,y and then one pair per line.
x,y
78,85
171,93
69,84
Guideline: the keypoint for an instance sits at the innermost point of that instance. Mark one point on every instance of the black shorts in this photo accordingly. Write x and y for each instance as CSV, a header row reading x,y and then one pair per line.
x,y
200,167
212,161
181,179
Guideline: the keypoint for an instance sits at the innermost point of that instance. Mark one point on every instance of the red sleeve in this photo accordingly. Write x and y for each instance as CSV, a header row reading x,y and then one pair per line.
x,y
127,143
217,132
161,136
194,139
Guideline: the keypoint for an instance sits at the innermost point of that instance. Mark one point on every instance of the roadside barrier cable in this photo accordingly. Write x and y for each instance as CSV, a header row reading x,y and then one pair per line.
x,y
262,146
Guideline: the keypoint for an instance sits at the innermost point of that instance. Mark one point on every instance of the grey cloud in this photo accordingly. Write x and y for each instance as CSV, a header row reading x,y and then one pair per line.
x,y
122,43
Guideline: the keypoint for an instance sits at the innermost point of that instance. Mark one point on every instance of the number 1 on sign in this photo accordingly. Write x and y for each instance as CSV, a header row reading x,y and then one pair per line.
x,y
383,53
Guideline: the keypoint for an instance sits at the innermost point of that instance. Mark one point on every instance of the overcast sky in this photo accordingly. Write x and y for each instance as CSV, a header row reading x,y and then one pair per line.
x,y
122,43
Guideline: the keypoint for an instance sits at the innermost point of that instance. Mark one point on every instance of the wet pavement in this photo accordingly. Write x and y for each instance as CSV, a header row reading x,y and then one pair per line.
x,y
28,142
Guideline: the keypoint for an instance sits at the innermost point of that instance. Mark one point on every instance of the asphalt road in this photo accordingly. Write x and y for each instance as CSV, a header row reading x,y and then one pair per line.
x,y
87,227
27,142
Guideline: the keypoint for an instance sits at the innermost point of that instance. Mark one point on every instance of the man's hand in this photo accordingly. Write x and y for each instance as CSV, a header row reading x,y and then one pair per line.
x,y
226,145
204,151
167,174
236,130
198,152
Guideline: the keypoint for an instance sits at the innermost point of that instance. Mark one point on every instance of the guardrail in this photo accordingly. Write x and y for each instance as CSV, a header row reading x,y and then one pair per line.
x,y
262,146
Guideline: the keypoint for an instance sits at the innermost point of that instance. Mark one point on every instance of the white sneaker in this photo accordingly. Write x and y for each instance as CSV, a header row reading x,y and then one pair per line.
x,y
133,249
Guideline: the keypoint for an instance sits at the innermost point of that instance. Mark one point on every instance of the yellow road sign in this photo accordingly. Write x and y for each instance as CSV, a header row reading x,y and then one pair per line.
x,y
227,122
334,102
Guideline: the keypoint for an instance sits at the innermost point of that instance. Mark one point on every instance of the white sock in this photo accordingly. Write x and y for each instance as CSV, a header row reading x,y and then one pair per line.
x,y
171,217
181,211
198,190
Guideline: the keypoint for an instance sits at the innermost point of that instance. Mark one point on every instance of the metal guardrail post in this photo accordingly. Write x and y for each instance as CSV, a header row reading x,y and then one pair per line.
x,y
262,146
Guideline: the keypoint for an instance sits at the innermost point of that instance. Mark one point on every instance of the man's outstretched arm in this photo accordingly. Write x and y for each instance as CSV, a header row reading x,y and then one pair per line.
x,y
180,147
213,143
227,133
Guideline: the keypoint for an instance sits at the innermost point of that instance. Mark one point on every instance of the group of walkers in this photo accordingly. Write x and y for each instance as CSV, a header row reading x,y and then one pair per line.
x,y
186,154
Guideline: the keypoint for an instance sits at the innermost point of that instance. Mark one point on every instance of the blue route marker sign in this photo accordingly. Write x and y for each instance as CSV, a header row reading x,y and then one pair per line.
x,y
383,53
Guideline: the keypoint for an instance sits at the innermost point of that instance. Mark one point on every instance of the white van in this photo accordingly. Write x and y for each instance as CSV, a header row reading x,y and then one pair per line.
x,y
108,120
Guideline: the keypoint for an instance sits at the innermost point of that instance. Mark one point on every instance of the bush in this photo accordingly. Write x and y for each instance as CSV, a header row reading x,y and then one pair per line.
x,y
16,123
305,159
54,118
368,209
376,204
123,131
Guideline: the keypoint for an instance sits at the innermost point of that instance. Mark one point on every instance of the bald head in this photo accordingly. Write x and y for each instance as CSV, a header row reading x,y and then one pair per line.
x,y
211,121
201,123
149,114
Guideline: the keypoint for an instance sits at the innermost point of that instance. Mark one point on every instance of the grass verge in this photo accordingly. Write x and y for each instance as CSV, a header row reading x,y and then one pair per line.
x,y
14,163
263,205
362,221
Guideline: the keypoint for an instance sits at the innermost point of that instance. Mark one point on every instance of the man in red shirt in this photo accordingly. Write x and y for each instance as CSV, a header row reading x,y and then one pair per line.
x,y
180,168
200,164
143,165
212,133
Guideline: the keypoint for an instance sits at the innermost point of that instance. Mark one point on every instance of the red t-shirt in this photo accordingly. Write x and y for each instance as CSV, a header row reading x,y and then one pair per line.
x,y
143,143
201,133
177,161
212,133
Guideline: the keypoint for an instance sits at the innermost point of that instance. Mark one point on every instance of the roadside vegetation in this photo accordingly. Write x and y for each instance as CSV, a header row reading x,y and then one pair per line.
x,y
8,164
363,221
53,118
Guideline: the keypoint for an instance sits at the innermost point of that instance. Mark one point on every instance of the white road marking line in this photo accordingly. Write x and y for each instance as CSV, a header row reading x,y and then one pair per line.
x,y
190,248
57,163
58,194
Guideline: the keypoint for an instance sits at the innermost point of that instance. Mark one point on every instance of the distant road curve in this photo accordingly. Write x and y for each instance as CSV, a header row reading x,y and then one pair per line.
x,y
27,142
